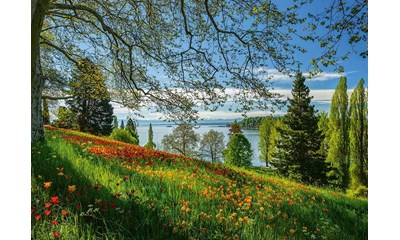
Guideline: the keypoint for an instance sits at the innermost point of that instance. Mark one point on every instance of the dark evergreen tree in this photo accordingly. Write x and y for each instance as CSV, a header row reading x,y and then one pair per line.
x,y
300,139
131,126
122,126
150,144
45,112
91,100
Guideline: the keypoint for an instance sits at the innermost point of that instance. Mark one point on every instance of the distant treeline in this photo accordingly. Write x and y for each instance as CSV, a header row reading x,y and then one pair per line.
x,y
252,123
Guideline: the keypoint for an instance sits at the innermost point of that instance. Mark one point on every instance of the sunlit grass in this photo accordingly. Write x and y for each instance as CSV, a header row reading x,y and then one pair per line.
x,y
129,192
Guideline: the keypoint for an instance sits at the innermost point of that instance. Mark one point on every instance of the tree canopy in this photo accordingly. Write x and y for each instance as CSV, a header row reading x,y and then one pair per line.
x,y
212,145
183,140
203,47
238,152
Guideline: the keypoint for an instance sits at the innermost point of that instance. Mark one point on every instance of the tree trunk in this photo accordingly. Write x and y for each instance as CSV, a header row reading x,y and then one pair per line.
x,y
39,8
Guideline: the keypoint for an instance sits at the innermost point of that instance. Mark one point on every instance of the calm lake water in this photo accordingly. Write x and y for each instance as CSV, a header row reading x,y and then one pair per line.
x,y
162,128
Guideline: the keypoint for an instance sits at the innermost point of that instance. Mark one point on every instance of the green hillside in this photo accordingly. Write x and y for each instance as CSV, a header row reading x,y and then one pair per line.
x,y
87,187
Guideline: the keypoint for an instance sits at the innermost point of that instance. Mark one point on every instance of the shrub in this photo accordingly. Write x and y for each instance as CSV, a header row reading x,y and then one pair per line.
x,y
123,136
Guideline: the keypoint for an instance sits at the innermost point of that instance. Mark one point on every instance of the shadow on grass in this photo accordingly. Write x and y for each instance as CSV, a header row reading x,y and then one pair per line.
x,y
138,221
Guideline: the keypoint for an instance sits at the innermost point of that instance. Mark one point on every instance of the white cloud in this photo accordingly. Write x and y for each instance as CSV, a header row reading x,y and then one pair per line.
x,y
277,76
319,95
232,115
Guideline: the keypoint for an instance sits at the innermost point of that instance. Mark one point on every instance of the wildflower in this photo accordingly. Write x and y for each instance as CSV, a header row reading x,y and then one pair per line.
x,y
71,188
126,177
78,206
113,205
304,229
56,234
64,212
47,212
55,200
37,217
47,204
317,230
32,210
292,231
261,209
60,171
54,222
47,184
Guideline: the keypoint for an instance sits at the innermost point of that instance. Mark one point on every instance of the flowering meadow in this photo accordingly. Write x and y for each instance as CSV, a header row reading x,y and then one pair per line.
x,y
87,187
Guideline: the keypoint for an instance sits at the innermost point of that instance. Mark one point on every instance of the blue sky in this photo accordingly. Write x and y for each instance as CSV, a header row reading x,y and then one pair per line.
x,y
322,86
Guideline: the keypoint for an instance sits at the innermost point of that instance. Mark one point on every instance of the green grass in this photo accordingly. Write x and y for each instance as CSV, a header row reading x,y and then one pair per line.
x,y
171,197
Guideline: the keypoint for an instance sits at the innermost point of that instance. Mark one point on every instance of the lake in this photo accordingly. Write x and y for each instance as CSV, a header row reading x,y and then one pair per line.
x,y
161,128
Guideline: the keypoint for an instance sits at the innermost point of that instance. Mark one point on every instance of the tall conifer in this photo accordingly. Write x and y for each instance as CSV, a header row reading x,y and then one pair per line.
x,y
150,144
297,155
359,137
131,126
338,154
91,100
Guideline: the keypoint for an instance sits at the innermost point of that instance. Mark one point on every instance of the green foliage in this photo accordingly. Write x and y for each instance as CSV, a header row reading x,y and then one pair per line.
x,y
234,128
238,151
338,154
323,126
183,140
115,122
45,112
123,135
251,122
268,138
359,137
91,100
66,119
300,139
212,145
359,191
150,143
131,127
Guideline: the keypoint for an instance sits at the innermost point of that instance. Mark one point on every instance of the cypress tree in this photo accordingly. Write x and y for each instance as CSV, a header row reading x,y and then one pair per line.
x,y
91,100
297,154
359,137
323,125
338,154
122,126
115,122
150,144
45,112
132,129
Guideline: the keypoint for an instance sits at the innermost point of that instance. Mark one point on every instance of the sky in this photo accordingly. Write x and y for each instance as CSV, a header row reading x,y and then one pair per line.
x,y
321,86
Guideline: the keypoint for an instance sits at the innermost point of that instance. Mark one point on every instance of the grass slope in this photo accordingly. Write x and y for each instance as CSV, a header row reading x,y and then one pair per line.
x,y
86,187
